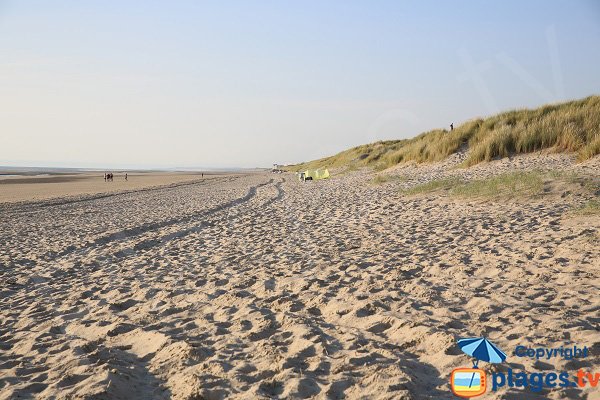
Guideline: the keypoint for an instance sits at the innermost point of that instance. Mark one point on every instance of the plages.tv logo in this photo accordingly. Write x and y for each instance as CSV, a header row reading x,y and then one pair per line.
x,y
471,382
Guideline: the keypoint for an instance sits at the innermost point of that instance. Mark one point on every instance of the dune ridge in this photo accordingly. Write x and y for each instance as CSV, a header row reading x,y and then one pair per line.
x,y
564,127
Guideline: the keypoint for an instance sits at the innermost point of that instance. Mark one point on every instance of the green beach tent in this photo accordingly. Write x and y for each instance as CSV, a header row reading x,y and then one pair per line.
x,y
315,174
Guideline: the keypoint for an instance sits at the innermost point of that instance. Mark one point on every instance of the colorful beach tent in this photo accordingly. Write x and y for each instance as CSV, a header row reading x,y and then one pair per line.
x,y
322,173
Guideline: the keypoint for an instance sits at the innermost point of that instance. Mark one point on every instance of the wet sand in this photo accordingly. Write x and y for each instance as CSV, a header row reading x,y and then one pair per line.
x,y
32,188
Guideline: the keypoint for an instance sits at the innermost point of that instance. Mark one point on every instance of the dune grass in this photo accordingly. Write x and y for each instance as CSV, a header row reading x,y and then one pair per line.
x,y
509,184
444,184
592,207
519,184
504,185
381,179
351,159
572,126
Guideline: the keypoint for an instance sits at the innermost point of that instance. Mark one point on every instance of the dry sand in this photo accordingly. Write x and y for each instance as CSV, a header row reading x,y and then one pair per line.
x,y
258,286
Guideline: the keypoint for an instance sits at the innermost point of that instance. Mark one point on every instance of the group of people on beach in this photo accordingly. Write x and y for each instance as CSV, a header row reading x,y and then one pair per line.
x,y
108,176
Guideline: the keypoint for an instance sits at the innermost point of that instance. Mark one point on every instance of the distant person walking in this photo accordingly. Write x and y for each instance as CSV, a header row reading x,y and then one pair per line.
x,y
105,177
451,127
125,176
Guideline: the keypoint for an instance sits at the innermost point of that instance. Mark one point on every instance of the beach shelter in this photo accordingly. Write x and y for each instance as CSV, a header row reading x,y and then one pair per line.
x,y
315,174
322,173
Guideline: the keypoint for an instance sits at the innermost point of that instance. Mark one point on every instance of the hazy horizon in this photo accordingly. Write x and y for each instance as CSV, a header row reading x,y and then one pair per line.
x,y
190,85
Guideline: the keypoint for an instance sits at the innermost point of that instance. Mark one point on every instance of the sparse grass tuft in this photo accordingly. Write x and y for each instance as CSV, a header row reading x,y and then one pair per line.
x,y
510,184
592,207
504,185
380,179
436,185
514,185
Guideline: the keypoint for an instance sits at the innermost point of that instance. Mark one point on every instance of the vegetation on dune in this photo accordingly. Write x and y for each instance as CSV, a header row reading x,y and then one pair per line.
x,y
435,185
572,126
360,156
515,184
509,184
592,207
380,179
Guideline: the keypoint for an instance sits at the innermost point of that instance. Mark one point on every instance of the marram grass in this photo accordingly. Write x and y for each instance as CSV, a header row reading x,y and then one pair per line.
x,y
519,184
509,184
592,207
504,185
573,126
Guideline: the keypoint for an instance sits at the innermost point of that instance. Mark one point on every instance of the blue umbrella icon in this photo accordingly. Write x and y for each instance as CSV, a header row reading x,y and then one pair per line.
x,y
483,350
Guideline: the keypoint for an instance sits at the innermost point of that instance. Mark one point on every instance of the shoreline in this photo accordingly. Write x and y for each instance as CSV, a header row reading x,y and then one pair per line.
x,y
30,189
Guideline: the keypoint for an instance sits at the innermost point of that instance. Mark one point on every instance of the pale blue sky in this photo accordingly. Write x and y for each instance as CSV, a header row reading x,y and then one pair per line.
x,y
243,84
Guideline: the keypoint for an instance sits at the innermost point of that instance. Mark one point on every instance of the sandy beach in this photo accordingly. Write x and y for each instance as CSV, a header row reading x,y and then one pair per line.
x,y
19,188
257,286
327,200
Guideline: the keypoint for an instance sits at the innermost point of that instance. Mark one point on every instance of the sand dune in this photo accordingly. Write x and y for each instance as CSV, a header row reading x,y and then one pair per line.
x,y
257,286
